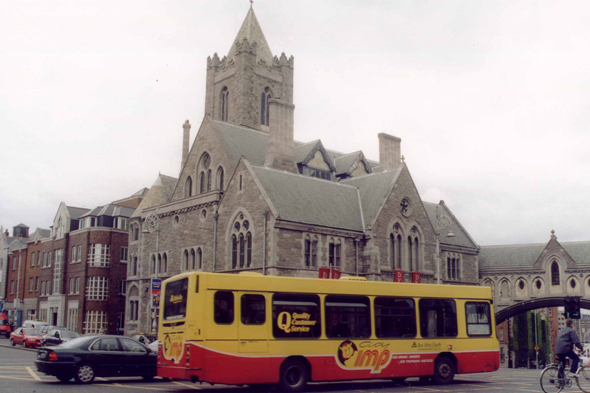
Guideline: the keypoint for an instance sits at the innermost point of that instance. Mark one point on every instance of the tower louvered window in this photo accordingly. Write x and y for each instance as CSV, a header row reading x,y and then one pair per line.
x,y
224,104
264,107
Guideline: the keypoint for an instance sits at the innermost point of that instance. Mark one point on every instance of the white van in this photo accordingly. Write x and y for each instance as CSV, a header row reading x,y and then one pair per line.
x,y
34,324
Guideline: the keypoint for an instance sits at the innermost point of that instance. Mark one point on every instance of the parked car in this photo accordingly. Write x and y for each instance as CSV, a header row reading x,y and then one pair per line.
x,y
4,325
45,329
58,336
29,337
142,338
34,324
87,357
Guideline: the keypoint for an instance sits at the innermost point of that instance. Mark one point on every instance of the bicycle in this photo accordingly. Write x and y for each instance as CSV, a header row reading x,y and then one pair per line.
x,y
554,378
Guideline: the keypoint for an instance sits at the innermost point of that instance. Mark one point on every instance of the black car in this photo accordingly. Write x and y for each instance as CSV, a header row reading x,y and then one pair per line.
x,y
84,358
57,337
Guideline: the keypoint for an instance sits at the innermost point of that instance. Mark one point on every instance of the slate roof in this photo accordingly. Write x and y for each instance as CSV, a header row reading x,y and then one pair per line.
x,y
110,210
302,151
344,162
527,254
242,141
159,193
21,225
76,212
461,237
309,200
374,189
252,31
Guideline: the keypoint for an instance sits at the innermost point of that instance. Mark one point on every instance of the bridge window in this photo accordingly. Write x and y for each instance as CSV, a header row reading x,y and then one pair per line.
x,y
478,319
521,285
538,284
438,318
554,273
395,317
572,283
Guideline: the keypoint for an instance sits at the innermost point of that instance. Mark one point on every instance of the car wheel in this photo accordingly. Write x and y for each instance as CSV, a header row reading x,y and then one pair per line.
x,y
63,378
444,371
12,342
294,376
84,373
148,377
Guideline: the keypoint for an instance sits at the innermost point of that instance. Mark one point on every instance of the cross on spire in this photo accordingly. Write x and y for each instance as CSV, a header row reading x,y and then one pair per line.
x,y
251,3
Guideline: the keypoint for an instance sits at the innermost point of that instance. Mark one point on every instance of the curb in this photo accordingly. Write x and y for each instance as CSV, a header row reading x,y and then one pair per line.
x,y
20,348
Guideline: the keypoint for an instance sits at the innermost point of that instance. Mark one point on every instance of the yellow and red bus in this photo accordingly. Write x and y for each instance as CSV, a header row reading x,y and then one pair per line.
x,y
252,329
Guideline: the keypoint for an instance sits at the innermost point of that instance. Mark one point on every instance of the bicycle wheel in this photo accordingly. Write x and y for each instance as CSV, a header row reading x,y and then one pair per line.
x,y
584,380
550,381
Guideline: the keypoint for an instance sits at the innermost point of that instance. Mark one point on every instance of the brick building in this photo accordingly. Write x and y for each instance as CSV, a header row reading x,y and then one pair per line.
x,y
251,197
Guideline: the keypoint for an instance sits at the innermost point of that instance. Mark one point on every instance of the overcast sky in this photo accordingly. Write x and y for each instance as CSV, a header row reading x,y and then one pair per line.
x,y
490,99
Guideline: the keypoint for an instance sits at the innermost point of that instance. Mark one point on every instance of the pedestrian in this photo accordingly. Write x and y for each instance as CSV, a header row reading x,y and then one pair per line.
x,y
567,339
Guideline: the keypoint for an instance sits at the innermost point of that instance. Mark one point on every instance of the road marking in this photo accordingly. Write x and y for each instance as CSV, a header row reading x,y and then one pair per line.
x,y
118,385
33,374
20,379
188,386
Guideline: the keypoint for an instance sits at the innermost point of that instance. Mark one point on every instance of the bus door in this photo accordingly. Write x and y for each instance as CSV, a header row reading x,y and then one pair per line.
x,y
253,325
222,328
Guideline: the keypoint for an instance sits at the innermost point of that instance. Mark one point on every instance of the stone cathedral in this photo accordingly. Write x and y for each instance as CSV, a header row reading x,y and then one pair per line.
x,y
250,197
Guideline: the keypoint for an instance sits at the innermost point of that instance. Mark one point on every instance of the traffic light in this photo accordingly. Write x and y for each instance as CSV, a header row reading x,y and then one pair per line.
x,y
572,307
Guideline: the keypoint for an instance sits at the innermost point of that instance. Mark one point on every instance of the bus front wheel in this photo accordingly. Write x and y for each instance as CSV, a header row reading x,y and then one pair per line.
x,y
294,376
444,371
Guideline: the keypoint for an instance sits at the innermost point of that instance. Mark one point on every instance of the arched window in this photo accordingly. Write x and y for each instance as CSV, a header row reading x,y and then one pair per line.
x,y
185,260
199,258
242,256
159,263
220,178
416,255
192,265
188,187
410,253
248,249
224,103
264,107
202,183
165,263
554,273
396,246
209,180
153,265
234,252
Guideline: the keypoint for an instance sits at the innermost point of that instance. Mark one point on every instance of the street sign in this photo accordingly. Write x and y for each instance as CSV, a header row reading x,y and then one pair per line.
x,y
398,275
156,291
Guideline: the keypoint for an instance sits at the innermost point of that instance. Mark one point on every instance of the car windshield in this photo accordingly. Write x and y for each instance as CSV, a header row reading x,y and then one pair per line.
x,y
3,322
68,334
31,332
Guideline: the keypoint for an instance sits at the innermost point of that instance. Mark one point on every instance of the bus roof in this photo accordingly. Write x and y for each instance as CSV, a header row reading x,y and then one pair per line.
x,y
260,283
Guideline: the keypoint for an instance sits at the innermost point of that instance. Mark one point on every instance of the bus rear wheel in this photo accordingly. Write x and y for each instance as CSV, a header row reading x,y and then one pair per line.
x,y
444,371
294,376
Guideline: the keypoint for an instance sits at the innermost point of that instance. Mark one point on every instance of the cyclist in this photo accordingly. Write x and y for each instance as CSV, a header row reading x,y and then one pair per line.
x,y
567,339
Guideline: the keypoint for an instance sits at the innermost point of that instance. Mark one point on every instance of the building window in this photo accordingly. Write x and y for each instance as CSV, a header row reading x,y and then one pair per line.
x,y
199,258
43,314
57,270
501,334
31,283
124,254
42,288
120,223
153,264
97,288
100,255
74,256
122,287
264,106
32,259
224,103
135,232
453,266
73,319
554,273
134,266
311,251
39,257
396,248
96,322
334,252
72,286
37,284
234,251
184,267
79,253
12,287
188,187
134,310
77,285
220,178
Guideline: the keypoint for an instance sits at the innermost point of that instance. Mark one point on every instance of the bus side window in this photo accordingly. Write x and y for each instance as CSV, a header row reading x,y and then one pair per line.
x,y
296,315
253,310
224,307
438,318
348,316
395,317
477,315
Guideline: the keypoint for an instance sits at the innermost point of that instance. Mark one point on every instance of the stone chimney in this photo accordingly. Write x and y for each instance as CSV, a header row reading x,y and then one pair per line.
x,y
185,142
279,152
389,151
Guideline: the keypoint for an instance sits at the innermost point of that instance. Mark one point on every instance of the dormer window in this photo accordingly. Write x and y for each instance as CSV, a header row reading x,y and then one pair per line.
x,y
224,103
264,108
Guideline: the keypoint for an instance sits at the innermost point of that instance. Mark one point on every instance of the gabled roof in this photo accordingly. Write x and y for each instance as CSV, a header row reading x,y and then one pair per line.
x,y
252,32
461,238
76,212
110,210
21,225
308,200
160,192
374,190
302,151
345,162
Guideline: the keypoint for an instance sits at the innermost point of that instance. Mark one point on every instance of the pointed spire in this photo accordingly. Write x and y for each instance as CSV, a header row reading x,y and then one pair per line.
x,y
252,32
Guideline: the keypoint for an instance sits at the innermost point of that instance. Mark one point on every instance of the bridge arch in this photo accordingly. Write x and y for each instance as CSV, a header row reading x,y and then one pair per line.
x,y
528,305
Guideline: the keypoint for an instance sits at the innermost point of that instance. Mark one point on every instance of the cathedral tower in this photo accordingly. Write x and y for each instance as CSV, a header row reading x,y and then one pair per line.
x,y
240,85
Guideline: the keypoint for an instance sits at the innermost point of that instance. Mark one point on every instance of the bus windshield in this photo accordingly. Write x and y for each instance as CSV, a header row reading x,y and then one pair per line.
x,y
175,301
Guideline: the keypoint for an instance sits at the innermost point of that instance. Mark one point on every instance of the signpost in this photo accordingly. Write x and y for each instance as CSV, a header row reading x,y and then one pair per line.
x,y
156,291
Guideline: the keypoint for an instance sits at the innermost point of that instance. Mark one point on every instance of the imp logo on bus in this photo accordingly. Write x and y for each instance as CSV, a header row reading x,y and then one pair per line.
x,y
173,347
364,356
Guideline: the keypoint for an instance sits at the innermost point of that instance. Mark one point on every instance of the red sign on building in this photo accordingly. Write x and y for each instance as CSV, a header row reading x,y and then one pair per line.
x,y
325,273
416,277
399,275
